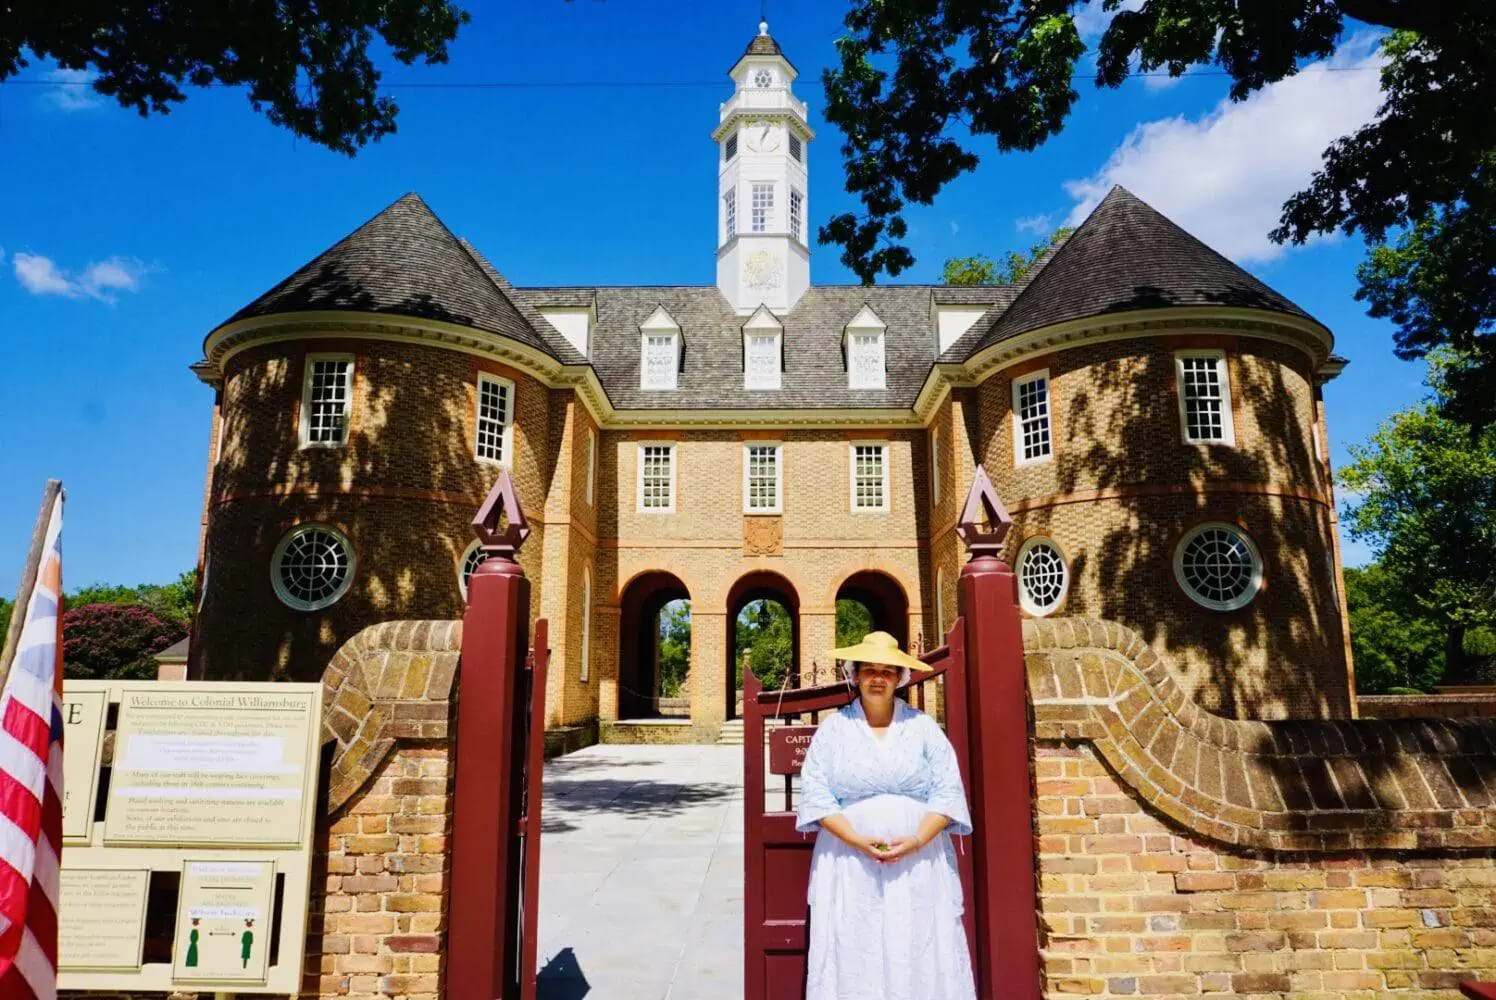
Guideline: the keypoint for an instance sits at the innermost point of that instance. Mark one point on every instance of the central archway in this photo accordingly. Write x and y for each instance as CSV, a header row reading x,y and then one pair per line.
x,y
646,654
763,597
886,604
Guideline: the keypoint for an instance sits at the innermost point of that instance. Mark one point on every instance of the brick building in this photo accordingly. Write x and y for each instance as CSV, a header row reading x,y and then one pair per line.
x,y
1151,414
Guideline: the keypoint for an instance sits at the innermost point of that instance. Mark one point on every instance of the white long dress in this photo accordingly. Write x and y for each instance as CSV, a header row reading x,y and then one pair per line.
x,y
884,931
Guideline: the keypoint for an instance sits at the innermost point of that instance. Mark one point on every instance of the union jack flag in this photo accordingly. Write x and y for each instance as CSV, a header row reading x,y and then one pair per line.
x,y
31,784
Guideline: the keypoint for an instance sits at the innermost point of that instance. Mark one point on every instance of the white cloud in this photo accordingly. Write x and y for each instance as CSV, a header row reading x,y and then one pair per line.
x,y
1224,177
73,90
99,280
955,227
1039,225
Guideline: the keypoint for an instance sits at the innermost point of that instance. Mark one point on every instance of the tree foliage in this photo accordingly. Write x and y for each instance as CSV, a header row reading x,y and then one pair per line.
x,y
982,270
766,633
1425,498
853,622
6,608
115,641
306,67
922,86
675,647
1397,643
172,601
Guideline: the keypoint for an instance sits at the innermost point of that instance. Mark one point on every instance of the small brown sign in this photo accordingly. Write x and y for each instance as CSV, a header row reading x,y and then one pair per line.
x,y
788,746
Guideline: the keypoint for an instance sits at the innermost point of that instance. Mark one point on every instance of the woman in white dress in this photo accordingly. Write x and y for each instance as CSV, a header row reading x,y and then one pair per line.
x,y
881,785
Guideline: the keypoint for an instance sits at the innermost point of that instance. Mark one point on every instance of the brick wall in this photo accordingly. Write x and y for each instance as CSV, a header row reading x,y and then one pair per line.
x,y
1472,705
1184,854
1123,488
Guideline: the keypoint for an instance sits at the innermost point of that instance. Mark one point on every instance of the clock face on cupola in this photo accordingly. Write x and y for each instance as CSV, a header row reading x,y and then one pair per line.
x,y
763,211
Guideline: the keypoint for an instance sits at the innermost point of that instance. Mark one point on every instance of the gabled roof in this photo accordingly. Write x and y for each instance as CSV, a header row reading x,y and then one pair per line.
x,y
1127,256
404,261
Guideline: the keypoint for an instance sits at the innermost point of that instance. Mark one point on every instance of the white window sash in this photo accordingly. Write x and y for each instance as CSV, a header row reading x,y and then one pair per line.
x,y
761,366
865,362
1228,430
669,346
778,506
670,455
505,423
883,468
730,212
761,219
307,402
797,213
1021,422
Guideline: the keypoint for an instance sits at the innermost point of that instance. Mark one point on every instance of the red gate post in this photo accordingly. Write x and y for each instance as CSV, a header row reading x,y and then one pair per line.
x,y
482,912
1007,938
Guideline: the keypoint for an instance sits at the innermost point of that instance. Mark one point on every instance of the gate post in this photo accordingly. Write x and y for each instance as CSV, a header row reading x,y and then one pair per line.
x,y
482,912
1007,939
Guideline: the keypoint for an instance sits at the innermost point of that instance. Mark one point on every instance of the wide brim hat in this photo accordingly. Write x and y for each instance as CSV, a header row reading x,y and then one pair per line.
x,y
880,647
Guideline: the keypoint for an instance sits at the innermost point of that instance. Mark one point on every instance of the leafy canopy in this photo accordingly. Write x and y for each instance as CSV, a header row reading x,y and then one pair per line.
x,y
115,641
306,66
982,270
1398,644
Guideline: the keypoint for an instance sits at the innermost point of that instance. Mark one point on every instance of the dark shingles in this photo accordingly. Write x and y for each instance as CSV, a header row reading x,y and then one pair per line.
x,y
403,261
1127,256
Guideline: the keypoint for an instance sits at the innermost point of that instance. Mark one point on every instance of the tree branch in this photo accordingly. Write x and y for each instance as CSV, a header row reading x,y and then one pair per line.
x,y
1405,15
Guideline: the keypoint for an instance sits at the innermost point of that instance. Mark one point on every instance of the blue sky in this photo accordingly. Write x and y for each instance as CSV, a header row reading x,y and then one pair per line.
x,y
126,240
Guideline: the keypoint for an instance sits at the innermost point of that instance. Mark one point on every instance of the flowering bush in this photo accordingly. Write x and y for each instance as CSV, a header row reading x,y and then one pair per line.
x,y
115,641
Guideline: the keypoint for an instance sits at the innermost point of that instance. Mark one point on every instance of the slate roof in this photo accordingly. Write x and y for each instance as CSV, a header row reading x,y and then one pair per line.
x,y
405,261
1128,256
1125,256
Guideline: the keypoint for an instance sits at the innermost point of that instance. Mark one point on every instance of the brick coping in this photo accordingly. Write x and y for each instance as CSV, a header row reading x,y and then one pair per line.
x,y
1299,785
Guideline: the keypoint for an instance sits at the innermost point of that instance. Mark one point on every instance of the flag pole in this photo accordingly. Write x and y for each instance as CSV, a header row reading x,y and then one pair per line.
x,y
28,578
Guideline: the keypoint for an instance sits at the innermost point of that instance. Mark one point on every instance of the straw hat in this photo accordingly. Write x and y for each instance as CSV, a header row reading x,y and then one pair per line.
x,y
879,647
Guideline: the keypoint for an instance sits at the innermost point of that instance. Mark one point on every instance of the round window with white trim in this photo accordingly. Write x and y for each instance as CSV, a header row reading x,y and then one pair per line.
x,y
471,560
312,567
1219,566
1043,577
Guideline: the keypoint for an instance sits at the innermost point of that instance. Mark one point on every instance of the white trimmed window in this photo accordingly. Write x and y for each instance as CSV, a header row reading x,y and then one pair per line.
x,y
1218,566
657,478
761,361
730,211
763,207
591,464
1204,397
660,365
797,213
934,466
869,476
312,567
865,360
1033,439
763,479
494,433
586,622
1043,577
471,560
325,401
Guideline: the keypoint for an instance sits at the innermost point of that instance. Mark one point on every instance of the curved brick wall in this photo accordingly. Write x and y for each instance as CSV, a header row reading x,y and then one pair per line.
x,y
1312,785
1123,488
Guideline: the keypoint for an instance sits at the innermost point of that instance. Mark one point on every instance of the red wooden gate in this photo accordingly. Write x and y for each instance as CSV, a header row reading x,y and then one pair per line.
x,y
776,858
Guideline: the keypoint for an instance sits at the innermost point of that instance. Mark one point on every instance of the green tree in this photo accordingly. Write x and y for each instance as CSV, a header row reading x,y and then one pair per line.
x,y
172,600
981,270
114,641
306,66
1398,644
5,611
675,647
919,85
853,621
766,632
1425,489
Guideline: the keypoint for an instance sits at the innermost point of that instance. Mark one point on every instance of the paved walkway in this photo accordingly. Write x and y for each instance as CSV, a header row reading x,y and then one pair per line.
x,y
641,874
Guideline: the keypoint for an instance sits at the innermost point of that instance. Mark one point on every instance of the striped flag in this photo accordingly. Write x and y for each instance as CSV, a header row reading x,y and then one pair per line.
x,y
31,784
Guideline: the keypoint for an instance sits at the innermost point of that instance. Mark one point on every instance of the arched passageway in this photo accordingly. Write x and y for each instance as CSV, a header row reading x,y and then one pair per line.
x,y
871,601
763,622
654,649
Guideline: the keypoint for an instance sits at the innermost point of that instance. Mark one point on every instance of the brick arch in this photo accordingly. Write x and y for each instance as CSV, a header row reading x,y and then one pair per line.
x,y
885,596
391,682
640,600
760,584
1306,785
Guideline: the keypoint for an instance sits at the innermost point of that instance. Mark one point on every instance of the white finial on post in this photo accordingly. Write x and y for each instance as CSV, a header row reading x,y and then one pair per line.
x,y
763,27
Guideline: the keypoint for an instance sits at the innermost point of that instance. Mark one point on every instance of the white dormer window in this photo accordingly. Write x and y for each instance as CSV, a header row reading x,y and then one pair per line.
x,y
763,207
730,211
863,340
659,351
763,340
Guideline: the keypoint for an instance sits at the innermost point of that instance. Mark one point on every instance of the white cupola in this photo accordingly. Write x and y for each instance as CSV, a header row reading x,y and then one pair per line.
x,y
763,210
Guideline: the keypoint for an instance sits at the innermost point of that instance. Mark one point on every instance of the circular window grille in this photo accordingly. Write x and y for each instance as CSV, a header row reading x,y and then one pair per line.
x,y
1043,577
471,560
1218,566
312,568
763,78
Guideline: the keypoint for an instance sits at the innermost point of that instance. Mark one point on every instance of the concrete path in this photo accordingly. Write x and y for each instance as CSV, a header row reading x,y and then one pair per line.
x,y
641,874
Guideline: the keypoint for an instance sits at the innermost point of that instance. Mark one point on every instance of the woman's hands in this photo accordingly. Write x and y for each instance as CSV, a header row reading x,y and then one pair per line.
x,y
900,848
885,851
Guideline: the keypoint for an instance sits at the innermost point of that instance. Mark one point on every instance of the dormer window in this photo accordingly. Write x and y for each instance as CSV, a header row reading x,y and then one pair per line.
x,y
865,355
660,343
763,341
